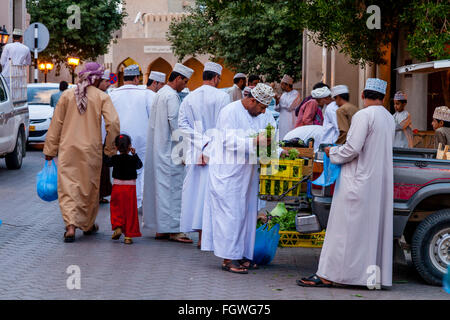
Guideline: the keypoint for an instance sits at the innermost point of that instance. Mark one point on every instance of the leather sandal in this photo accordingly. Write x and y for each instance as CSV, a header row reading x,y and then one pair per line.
x,y
117,233
69,239
318,283
128,240
246,263
234,266
180,237
92,230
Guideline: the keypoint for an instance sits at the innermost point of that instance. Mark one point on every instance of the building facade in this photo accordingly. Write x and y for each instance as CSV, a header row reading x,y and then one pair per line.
x,y
142,41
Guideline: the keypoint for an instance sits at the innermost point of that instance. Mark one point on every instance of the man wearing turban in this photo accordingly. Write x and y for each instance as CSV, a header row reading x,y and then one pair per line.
x,y
75,137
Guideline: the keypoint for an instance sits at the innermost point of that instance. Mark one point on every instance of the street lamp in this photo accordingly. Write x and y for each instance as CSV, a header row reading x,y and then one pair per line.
x,y
74,62
4,36
45,67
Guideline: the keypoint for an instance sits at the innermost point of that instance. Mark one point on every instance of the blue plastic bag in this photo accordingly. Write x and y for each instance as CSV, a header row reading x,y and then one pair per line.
x,y
330,173
266,244
446,280
47,182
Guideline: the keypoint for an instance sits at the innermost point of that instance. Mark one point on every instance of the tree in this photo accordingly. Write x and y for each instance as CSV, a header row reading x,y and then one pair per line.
x,y
343,24
258,36
98,21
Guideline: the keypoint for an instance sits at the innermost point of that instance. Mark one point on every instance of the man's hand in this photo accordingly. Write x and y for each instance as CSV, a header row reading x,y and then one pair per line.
x,y
262,139
327,151
133,151
48,158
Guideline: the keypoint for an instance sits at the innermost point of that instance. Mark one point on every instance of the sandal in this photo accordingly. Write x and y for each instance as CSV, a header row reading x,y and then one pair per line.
x,y
92,230
128,240
248,264
71,238
316,280
117,233
68,239
162,236
234,266
180,237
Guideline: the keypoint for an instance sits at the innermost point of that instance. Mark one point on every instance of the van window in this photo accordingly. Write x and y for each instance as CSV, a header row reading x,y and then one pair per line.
x,y
3,96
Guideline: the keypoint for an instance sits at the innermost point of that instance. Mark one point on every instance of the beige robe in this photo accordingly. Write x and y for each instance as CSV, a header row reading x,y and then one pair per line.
x,y
77,141
235,93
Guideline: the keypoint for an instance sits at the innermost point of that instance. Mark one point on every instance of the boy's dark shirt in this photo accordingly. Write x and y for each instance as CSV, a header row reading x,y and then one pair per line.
x,y
124,166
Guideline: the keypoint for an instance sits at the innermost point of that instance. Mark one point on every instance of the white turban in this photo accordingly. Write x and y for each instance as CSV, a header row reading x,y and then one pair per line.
x,y
321,93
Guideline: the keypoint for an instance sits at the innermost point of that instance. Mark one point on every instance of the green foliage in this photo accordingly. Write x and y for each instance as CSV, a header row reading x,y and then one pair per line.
x,y
99,20
265,37
429,29
343,23
250,36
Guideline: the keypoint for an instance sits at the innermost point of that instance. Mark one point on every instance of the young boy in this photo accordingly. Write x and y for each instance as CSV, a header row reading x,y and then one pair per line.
x,y
441,126
403,130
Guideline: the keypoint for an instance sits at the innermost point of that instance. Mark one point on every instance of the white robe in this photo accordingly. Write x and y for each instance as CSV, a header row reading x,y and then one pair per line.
x,y
401,141
359,235
150,97
306,132
231,203
19,55
163,180
198,113
330,124
133,109
286,121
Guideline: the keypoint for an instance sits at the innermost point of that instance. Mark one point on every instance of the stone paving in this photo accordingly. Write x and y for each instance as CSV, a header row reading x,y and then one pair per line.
x,y
34,260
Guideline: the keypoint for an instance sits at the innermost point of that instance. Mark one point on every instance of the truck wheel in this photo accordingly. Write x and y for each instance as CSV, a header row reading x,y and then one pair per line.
x,y
430,248
13,160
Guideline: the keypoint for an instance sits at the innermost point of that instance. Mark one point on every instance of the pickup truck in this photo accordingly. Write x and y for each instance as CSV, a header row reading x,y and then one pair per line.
x,y
14,121
421,208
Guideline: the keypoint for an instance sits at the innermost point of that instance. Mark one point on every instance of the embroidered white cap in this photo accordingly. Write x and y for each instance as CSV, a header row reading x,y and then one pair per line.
x,y
239,75
183,70
321,93
214,67
17,32
287,79
263,93
376,84
337,90
132,70
442,113
157,76
400,95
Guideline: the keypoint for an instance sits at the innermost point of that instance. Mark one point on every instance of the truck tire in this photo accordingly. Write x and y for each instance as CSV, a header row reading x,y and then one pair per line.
x,y
13,160
430,248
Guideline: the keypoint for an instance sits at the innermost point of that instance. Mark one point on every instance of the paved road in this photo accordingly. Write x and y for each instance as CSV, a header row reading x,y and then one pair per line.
x,y
34,260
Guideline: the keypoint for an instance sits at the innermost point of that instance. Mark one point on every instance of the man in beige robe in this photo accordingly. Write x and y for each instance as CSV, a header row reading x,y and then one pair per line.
x,y
239,81
75,137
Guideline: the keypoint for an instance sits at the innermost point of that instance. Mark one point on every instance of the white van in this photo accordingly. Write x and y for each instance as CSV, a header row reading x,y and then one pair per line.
x,y
14,123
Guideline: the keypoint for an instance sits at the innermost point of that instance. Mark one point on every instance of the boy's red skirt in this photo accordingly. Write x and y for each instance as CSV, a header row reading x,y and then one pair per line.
x,y
124,212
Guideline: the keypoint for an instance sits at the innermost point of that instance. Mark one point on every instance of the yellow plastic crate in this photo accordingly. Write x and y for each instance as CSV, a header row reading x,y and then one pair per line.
x,y
277,186
282,168
278,176
293,239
